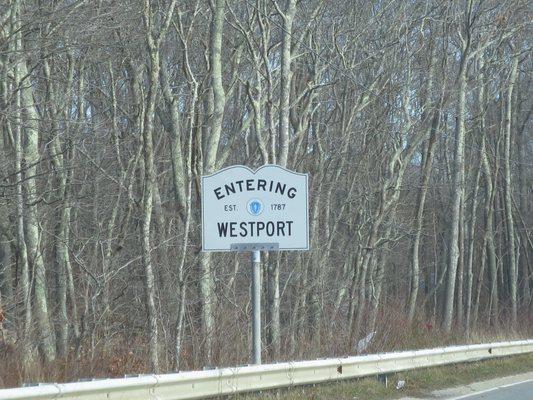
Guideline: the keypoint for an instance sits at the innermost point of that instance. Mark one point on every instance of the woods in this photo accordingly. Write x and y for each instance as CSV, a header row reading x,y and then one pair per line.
x,y
412,118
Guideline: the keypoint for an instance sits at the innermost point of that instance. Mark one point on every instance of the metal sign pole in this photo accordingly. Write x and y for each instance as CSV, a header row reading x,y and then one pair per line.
x,y
256,306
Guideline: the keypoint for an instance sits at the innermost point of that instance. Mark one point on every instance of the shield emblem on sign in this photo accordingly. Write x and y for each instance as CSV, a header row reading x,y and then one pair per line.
x,y
255,207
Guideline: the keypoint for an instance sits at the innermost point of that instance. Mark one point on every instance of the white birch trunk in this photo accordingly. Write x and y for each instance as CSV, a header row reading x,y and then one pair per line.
x,y
508,187
458,183
30,132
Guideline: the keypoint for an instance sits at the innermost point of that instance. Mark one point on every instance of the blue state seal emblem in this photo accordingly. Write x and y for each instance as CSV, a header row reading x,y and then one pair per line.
x,y
255,207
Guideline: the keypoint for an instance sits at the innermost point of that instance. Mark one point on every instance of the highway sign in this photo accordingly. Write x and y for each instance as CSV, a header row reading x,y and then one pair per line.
x,y
267,208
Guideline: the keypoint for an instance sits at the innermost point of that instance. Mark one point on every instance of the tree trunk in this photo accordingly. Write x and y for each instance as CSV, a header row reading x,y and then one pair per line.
x,y
148,191
513,264
419,219
285,81
458,193
62,258
32,157
470,242
209,165
490,189
6,275
25,284
273,300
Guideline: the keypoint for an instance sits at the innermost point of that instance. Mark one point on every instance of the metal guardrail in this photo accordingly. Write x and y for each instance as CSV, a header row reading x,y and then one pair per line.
x,y
203,384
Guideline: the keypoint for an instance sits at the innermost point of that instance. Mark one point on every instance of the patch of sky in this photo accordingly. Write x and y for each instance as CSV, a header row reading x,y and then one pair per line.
x,y
417,159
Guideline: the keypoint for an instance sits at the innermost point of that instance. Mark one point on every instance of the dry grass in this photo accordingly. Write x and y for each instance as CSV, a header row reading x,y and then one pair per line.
x,y
123,360
127,355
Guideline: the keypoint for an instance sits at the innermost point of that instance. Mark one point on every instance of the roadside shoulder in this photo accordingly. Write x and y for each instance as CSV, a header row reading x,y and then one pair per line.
x,y
475,387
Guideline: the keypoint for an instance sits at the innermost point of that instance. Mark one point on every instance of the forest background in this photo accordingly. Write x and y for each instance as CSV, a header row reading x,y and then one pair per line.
x,y
412,118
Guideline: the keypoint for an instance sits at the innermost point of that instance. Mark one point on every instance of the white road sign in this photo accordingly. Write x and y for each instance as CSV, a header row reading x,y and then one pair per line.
x,y
268,207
